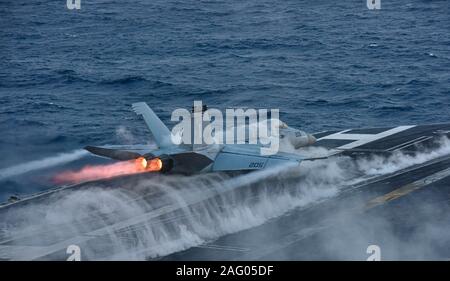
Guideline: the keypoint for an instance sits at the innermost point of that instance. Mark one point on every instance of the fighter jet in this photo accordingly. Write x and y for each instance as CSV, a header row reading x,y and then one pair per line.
x,y
169,157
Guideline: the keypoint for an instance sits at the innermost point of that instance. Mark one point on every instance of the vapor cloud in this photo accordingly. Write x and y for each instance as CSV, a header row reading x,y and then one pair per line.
x,y
48,162
173,213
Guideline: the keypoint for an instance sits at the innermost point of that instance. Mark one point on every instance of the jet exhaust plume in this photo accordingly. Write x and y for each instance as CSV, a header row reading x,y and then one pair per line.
x,y
96,172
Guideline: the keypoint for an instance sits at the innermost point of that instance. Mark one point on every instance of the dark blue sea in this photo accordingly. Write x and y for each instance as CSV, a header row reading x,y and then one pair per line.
x,y
68,77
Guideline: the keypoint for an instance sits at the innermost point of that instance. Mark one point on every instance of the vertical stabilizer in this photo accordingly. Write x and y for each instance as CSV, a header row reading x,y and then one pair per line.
x,y
160,132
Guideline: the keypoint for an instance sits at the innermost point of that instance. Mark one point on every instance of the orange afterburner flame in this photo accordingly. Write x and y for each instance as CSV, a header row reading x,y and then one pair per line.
x,y
154,164
96,172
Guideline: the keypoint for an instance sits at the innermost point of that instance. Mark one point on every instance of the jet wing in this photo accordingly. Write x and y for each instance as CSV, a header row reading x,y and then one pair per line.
x,y
248,157
383,140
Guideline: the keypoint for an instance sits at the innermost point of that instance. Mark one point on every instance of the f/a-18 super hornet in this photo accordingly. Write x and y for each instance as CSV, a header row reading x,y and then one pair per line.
x,y
199,158
244,156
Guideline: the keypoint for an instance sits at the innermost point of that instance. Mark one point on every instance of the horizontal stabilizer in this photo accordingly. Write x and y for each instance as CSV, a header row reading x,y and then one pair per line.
x,y
116,154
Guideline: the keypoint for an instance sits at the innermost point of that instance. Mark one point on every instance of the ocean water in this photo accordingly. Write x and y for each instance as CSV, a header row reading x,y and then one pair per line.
x,y
68,77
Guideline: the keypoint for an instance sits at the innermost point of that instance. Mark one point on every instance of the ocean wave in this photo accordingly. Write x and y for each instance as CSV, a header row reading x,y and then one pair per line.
x,y
135,80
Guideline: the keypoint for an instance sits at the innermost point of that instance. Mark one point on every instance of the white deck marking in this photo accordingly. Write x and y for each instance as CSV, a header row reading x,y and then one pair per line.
x,y
361,139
